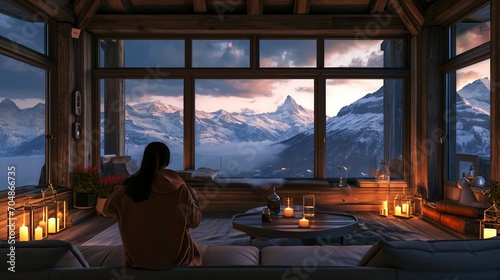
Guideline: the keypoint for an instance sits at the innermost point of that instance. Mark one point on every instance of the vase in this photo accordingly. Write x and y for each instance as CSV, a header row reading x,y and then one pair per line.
x,y
99,207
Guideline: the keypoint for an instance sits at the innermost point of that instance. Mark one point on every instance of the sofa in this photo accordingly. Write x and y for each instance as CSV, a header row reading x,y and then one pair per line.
x,y
436,259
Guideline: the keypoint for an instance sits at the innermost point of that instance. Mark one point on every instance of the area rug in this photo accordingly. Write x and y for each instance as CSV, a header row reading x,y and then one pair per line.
x,y
216,229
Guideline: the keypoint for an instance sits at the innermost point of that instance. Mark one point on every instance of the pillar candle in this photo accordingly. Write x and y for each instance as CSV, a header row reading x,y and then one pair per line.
x,y
38,233
304,223
489,233
52,225
43,225
288,212
397,210
23,233
405,208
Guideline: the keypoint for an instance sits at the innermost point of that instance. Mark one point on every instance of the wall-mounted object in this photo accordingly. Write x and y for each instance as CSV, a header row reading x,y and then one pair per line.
x,y
77,103
77,130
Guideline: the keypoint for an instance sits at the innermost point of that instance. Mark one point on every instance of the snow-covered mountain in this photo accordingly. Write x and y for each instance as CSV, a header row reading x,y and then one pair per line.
x,y
150,121
22,131
354,136
473,118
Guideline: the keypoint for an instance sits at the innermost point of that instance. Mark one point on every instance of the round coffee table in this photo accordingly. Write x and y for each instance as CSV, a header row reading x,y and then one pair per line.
x,y
325,224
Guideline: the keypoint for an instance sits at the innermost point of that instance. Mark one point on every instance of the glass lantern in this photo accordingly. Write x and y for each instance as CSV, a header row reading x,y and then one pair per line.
x,y
57,215
383,175
490,225
37,214
403,206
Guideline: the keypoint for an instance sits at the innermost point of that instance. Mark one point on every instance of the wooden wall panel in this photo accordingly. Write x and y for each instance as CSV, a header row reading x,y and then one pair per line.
x,y
495,91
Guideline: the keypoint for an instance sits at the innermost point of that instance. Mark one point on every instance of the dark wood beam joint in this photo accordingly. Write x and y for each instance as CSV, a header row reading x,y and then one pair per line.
x,y
88,11
414,30
200,6
255,7
301,7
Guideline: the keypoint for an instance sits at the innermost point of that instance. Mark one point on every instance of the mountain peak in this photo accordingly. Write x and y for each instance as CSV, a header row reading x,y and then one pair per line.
x,y
9,102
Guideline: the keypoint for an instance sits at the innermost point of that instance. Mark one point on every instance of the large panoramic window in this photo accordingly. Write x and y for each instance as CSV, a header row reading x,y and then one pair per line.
x,y
22,121
255,128
471,32
23,28
254,102
153,110
357,139
469,120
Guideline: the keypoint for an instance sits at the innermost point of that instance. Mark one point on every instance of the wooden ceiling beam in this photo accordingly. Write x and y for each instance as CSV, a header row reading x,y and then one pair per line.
x,y
412,28
301,7
88,11
445,12
359,26
377,6
415,12
200,6
255,7
59,10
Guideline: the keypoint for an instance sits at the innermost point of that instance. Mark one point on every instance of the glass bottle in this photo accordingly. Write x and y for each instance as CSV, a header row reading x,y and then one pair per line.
x,y
273,202
383,174
342,176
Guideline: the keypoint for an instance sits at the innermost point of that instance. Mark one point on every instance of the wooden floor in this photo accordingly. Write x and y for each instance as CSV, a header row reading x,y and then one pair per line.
x,y
95,224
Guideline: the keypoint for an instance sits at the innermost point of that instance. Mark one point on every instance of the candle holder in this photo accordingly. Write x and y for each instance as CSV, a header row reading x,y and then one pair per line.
x,y
490,225
384,208
403,206
37,214
57,215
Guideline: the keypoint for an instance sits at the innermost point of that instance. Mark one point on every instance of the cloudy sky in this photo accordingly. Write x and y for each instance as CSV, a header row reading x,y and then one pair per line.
x,y
235,95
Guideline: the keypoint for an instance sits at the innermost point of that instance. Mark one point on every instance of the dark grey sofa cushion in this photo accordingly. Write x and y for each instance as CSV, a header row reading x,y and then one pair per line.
x,y
112,256
313,255
41,254
436,255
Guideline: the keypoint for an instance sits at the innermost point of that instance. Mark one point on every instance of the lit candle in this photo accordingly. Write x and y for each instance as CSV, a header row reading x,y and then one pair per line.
x,y
405,208
38,233
43,225
304,223
288,212
385,208
489,233
397,210
52,225
23,233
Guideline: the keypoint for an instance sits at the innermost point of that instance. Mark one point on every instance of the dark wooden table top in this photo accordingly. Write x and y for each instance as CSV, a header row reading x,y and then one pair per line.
x,y
324,224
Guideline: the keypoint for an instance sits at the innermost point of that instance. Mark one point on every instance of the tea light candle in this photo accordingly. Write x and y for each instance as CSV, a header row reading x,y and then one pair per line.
x,y
52,225
489,233
288,212
397,210
23,233
303,223
38,233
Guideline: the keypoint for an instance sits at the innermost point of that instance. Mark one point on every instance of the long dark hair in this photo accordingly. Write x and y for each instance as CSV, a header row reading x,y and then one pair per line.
x,y
138,186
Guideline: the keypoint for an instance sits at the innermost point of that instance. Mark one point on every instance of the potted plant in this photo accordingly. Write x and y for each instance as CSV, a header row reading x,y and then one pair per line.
x,y
106,186
84,182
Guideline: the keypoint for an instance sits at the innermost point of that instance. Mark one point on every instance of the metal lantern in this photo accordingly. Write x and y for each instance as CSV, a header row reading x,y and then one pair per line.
x,y
490,225
38,213
403,206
